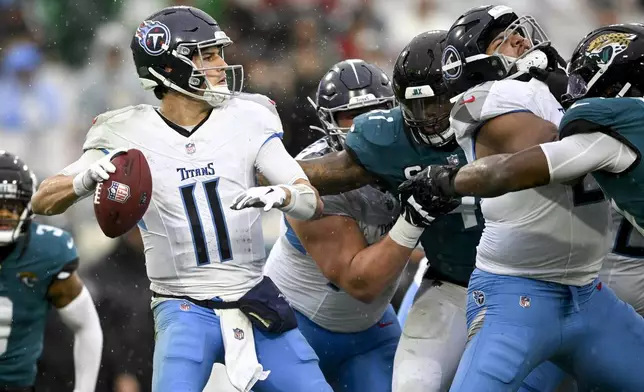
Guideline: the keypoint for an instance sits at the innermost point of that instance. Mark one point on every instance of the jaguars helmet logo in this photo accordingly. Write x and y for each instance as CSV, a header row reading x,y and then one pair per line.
x,y
606,47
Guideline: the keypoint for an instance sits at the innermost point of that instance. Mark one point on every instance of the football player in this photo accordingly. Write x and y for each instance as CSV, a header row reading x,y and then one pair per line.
x,y
542,249
596,137
203,145
37,271
412,136
338,282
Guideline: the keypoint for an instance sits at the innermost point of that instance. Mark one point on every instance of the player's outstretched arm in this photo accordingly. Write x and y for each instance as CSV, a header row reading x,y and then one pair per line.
x,y
561,161
338,246
76,308
335,173
78,180
292,193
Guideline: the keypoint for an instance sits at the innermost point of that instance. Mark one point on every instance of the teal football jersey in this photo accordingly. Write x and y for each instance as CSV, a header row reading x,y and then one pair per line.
x,y
25,276
622,118
380,142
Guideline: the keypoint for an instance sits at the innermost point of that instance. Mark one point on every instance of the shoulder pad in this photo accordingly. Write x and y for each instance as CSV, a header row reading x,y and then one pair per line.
x,y
103,134
115,115
591,110
260,99
56,242
491,99
380,128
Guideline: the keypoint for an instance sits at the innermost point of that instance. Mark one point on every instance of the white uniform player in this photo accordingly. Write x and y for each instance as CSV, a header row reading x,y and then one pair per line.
x,y
532,233
204,145
195,245
535,295
307,288
341,271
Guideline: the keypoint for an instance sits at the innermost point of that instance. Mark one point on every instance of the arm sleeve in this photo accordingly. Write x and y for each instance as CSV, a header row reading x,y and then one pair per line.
x,y
580,154
275,163
84,162
81,317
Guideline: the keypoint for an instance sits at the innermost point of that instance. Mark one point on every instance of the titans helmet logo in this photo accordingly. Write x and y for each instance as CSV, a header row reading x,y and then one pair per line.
x,y
153,37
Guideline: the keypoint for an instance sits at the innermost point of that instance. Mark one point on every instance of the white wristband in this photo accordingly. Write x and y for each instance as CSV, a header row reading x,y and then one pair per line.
x,y
405,234
303,202
78,184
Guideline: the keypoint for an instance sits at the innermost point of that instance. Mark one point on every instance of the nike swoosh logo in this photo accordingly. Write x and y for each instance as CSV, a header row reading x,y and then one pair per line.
x,y
579,104
470,99
383,325
70,243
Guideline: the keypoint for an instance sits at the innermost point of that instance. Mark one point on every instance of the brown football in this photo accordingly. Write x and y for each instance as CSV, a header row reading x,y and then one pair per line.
x,y
121,201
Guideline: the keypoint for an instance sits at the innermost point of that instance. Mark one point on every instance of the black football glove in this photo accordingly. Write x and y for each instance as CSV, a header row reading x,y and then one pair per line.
x,y
554,76
433,181
427,196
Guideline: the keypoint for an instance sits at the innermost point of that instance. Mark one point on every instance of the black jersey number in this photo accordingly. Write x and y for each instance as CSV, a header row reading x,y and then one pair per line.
x,y
196,224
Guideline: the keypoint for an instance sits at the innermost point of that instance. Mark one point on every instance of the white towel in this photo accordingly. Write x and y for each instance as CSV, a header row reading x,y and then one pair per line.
x,y
242,366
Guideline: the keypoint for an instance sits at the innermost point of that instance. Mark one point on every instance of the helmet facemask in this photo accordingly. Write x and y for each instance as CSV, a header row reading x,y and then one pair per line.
x,y
15,211
528,28
359,104
200,87
427,116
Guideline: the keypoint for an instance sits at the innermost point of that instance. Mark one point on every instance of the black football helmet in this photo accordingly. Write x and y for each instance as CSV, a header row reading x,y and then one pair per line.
x,y
608,62
17,185
350,86
420,90
465,63
164,45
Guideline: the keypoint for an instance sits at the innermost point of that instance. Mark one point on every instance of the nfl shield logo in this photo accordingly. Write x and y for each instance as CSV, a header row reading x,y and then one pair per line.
x,y
190,148
239,334
524,301
118,192
453,160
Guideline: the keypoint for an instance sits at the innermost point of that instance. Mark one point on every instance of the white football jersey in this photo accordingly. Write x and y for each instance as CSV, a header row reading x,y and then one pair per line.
x,y
623,269
555,233
300,279
195,244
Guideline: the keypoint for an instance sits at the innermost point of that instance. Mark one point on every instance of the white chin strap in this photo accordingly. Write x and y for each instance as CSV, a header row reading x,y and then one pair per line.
x,y
214,95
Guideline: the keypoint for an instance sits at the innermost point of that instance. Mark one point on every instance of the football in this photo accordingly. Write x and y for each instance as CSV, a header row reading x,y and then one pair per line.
x,y
121,201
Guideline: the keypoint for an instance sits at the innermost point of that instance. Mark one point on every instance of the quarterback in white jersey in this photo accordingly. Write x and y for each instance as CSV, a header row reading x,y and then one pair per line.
x,y
535,295
203,144
340,289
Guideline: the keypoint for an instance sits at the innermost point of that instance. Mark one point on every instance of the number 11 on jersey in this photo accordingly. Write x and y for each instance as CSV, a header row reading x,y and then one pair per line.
x,y
196,226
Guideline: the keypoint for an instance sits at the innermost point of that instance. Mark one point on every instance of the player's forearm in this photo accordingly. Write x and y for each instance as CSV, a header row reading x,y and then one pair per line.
x,y
54,196
497,175
81,317
374,269
335,173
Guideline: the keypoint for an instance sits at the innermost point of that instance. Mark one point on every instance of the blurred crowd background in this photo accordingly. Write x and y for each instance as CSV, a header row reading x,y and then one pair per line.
x,y
62,62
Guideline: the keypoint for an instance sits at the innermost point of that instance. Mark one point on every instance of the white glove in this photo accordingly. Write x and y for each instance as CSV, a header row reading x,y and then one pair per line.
x,y
261,196
85,182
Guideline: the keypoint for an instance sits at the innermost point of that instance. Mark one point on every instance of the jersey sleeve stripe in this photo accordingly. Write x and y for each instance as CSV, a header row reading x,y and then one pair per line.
x,y
292,239
278,135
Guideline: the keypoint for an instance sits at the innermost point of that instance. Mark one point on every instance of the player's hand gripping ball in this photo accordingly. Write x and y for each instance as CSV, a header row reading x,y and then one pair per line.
x,y
121,201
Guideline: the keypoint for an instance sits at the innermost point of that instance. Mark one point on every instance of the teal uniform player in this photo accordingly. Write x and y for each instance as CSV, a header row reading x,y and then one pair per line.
x,y
35,261
622,119
37,272
380,142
